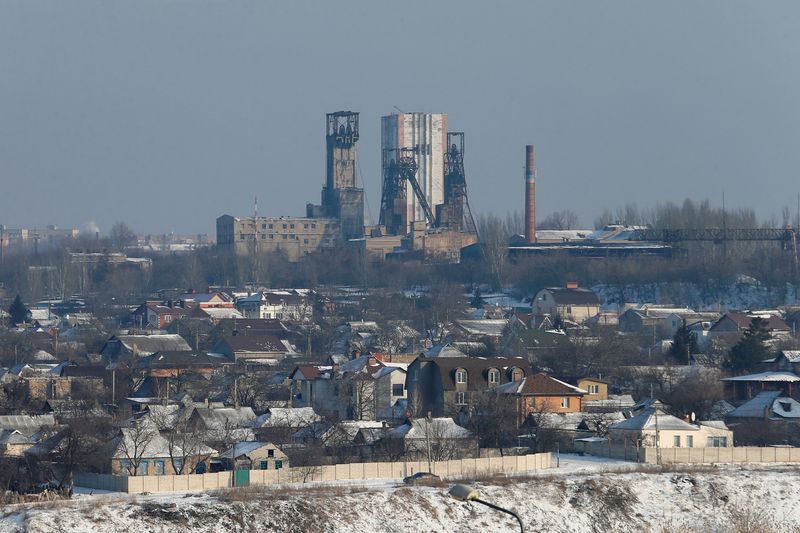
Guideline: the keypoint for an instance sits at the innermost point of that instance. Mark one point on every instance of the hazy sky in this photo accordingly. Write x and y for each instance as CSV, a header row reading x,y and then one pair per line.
x,y
167,114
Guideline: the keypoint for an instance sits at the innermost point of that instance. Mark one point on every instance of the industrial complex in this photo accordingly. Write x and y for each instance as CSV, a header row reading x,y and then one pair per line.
x,y
424,213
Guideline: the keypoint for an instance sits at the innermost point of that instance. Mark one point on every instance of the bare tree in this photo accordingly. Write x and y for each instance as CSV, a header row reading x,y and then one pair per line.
x,y
560,220
135,443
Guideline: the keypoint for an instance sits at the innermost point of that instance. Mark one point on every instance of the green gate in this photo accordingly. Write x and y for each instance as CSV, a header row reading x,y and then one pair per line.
x,y
241,478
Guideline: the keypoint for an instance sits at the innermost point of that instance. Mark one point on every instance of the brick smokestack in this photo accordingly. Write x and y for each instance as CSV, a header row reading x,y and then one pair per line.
x,y
530,195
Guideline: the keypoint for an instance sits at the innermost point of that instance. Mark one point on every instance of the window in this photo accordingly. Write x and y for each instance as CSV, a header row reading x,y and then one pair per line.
x,y
305,241
305,226
284,226
125,465
313,226
717,442
263,226
690,441
270,226
291,226
397,389
565,402
159,467
178,464
676,441
494,376
278,464
517,374
264,465
461,398
284,237
144,467
461,376
270,452
593,389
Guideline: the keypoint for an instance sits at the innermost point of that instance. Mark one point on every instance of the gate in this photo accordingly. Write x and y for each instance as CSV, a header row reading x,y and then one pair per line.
x,y
241,478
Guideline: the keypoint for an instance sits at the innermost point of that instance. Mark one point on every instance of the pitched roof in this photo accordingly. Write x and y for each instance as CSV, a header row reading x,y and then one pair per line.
x,y
650,419
477,369
244,448
226,417
788,377
756,407
256,344
742,320
148,344
570,296
26,424
171,359
422,428
540,385
293,417
492,328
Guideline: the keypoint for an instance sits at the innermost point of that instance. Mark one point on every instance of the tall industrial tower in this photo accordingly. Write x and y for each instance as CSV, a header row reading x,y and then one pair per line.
x,y
341,197
455,213
422,136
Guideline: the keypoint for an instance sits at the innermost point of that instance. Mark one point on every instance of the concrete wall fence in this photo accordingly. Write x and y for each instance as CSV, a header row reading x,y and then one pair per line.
x,y
347,471
744,454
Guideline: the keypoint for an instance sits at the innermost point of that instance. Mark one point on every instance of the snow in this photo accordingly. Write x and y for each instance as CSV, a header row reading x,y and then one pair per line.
x,y
584,494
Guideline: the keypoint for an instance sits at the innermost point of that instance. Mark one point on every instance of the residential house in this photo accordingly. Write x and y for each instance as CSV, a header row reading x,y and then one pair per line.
x,y
730,326
539,393
142,451
280,423
253,455
223,425
435,439
481,330
777,415
570,303
748,386
125,347
157,315
364,388
206,300
655,428
255,349
281,305
448,385
596,389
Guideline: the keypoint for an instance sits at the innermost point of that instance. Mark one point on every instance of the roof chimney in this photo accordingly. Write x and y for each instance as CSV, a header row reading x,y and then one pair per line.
x,y
572,284
530,195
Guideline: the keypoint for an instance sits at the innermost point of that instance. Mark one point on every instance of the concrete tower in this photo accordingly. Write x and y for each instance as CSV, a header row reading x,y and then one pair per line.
x,y
426,135
530,195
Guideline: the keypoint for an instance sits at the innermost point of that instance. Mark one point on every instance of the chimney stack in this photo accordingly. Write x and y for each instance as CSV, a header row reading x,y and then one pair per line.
x,y
530,195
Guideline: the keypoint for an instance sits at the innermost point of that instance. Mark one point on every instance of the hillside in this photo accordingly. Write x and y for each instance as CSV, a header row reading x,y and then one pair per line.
x,y
692,499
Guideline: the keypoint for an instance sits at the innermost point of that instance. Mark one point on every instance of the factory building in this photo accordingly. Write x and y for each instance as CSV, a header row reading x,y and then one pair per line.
x,y
423,137
293,236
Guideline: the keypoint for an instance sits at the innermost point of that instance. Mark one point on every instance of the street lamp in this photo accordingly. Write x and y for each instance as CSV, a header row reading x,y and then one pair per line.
x,y
465,493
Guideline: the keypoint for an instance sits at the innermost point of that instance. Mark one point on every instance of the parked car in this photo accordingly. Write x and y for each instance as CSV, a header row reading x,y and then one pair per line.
x,y
420,477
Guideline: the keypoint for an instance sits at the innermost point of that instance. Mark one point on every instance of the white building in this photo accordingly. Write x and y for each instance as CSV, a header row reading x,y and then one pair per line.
x,y
428,133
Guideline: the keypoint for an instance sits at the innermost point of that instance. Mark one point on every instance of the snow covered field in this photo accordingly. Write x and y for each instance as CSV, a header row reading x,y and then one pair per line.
x,y
582,495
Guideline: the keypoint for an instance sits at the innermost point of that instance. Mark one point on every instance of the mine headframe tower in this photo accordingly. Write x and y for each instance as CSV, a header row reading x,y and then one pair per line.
x,y
455,213
400,166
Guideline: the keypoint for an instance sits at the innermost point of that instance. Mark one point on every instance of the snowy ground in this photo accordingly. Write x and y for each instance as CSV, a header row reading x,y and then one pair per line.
x,y
584,494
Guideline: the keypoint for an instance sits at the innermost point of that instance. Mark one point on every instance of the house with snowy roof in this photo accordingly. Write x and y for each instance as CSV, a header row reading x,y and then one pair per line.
x,y
656,428
441,436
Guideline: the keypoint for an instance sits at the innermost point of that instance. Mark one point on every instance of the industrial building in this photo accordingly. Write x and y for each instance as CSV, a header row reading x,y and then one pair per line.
x,y
421,138
342,199
294,236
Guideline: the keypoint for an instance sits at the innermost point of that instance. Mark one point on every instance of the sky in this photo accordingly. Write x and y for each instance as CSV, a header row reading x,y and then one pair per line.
x,y
165,114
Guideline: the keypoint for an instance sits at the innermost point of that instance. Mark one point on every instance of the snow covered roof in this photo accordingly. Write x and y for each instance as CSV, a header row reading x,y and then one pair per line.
x,y
292,417
421,428
649,420
149,344
226,417
492,328
443,350
767,376
768,403
26,424
793,356
540,384
12,436
222,312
